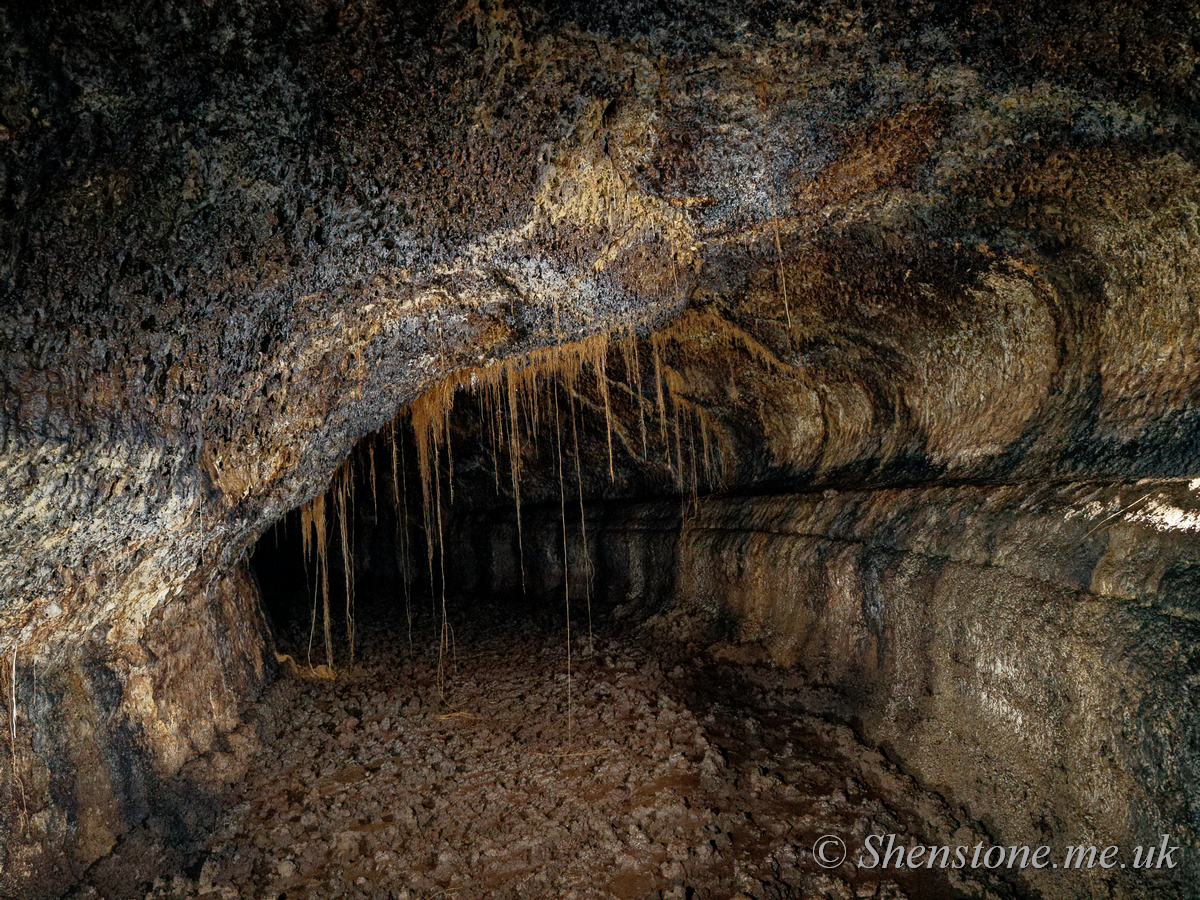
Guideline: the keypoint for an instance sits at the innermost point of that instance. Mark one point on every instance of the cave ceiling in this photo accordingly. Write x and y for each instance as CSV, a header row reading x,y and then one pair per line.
x,y
880,244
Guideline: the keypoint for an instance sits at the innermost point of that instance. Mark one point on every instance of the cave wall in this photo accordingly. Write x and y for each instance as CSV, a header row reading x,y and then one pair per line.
x,y
927,245
630,557
131,727
1029,652
1034,666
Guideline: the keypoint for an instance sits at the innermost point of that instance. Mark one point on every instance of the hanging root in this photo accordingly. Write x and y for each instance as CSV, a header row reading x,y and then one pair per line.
x,y
16,781
400,488
314,536
587,559
343,503
512,403
562,502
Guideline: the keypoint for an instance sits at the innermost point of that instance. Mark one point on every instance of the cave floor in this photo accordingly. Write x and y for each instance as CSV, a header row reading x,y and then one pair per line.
x,y
676,772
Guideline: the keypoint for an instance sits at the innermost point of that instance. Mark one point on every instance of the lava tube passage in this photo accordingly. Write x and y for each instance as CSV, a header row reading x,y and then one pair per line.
x,y
577,623
610,450
490,688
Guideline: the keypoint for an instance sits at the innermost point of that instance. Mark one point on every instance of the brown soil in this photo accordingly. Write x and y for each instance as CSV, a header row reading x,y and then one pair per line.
x,y
670,772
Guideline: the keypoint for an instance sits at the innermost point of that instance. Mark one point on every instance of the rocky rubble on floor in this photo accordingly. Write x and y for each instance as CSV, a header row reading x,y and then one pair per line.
x,y
487,772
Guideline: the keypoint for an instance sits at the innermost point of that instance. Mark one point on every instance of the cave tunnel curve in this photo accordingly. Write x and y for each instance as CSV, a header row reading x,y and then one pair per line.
x,y
691,536
883,521
800,573
458,602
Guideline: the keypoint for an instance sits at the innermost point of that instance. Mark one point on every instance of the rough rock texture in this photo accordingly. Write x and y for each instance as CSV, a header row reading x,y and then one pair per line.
x,y
1030,657
652,771
1028,651
918,245
177,685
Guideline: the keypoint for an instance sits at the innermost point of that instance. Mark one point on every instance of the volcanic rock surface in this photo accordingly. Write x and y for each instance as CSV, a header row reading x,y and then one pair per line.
x,y
502,771
875,327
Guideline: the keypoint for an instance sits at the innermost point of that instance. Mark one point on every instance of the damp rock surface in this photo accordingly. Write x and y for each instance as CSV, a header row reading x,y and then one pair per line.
x,y
486,772
896,245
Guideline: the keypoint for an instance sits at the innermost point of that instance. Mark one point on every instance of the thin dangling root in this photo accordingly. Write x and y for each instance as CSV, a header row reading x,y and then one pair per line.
x,y
512,407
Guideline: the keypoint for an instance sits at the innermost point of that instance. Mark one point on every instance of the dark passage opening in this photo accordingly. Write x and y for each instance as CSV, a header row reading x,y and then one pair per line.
x,y
402,572
529,491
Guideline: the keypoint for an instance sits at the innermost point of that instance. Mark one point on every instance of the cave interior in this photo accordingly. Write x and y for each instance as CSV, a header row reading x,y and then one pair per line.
x,y
544,449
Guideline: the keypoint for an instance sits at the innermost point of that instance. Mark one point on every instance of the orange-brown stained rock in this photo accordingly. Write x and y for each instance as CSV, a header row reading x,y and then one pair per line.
x,y
234,246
